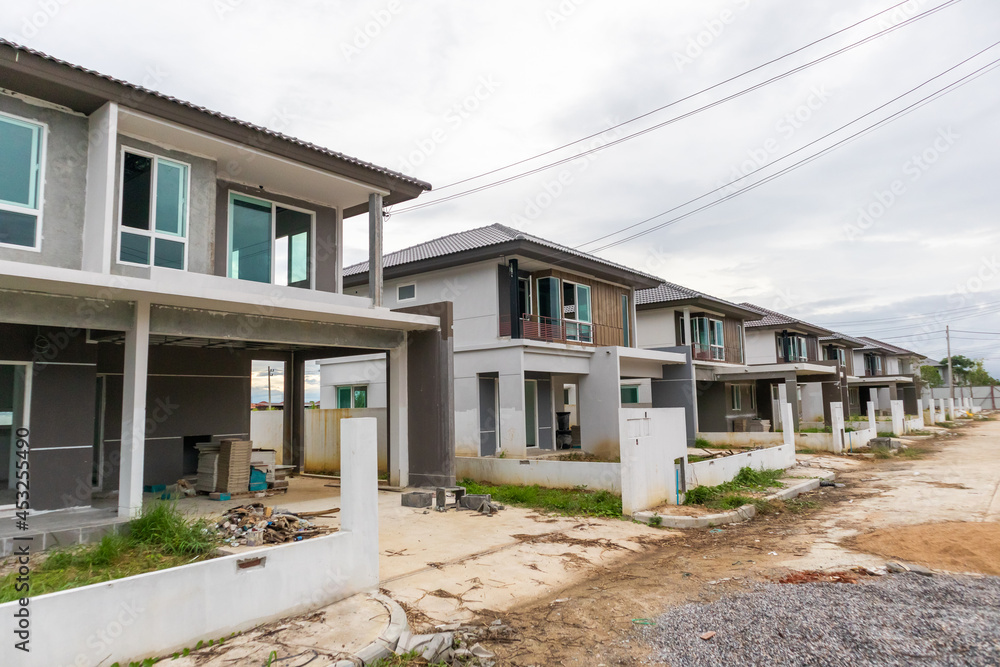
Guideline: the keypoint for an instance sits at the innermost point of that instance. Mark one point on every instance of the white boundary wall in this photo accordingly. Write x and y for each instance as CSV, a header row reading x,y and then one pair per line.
x,y
553,474
651,440
744,439
160,612
720,471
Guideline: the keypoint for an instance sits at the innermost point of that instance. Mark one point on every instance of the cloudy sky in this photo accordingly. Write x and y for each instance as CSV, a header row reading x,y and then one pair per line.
x,y
895,234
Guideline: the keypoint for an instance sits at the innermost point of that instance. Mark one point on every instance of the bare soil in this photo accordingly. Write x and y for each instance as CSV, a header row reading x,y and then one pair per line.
x,y
954,546
597,621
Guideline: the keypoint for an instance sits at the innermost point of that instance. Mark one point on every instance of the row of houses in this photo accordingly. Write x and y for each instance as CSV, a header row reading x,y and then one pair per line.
x,y
151,250
543,332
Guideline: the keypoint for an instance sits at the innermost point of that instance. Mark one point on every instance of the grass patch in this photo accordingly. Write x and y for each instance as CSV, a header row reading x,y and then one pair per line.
x,y
807,450
568,502
408,659
886,434
702,443
694,458
733,494
911,453
816,429
799,506
882,452
946,424
161,538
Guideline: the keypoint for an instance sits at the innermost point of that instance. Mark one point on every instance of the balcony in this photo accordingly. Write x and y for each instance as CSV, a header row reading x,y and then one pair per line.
x,y
720,353
536,327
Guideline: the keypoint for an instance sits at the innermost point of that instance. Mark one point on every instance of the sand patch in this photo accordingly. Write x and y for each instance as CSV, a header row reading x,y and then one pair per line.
x,y
955,546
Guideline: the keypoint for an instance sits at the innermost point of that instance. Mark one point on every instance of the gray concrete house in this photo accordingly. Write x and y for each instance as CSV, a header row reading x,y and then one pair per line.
x,y
150,250
542,332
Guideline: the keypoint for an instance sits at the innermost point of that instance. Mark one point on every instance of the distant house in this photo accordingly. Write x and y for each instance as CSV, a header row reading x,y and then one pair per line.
x,y
543,334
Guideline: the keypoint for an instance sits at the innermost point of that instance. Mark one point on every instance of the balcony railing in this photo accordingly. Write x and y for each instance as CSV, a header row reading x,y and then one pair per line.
x,y
721,353
537,327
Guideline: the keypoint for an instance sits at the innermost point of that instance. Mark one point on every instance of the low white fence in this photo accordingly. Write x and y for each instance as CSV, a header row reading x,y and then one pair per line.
x,y
743,440
553,474
160,612
719,471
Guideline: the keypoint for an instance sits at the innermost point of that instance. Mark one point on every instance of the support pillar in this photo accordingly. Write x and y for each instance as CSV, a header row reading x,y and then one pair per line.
x,y
375,249
359,493
133,443
872,425
399,421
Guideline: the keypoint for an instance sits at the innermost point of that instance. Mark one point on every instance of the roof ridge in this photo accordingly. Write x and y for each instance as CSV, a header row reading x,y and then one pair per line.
x,y
218,114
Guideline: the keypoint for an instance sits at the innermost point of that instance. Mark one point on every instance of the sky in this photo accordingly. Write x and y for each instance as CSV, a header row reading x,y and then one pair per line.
x,y
894,234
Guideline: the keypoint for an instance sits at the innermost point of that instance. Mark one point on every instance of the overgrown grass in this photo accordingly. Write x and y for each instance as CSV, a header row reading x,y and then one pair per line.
x,y
161,538
411,658
882,452
816,429
694,458
911,453
702,443
807,450
569,502
886,434
733,494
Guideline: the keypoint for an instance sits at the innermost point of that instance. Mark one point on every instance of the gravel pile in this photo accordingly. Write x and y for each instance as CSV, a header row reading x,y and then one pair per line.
x,y
901,619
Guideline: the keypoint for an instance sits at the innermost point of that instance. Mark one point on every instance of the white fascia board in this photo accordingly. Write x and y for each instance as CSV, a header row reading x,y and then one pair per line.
x,y
656,356
801,368
182,289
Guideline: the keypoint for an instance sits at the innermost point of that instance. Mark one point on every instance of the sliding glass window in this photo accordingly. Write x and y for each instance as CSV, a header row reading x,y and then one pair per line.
x,y
153,211
21,148
269,243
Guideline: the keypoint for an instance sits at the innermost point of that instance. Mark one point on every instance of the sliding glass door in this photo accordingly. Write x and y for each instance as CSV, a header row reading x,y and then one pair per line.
x,y
269,243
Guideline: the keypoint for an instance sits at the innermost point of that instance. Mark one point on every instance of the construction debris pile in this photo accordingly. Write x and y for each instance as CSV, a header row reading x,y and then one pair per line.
x,y
256,525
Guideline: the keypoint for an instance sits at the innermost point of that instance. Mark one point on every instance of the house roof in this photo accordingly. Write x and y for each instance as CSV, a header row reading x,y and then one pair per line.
x,y
776,320
86,90
849,341
673,294
494,240
891,349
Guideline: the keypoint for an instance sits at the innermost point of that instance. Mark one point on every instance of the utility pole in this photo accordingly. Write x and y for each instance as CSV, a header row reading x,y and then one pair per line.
x,y
270,371
951,374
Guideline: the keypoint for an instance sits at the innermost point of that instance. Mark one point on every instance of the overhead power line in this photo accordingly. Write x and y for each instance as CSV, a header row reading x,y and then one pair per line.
x,y
674,103
745,91
895,116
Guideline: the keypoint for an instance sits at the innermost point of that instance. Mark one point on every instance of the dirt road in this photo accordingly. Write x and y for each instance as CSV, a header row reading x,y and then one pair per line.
x,y
885,508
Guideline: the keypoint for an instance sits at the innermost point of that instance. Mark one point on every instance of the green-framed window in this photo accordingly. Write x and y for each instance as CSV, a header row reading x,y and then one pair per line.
x,y
269,242
21,157
352,396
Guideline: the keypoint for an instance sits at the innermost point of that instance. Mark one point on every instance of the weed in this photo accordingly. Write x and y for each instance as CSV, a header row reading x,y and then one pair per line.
x,y
806,450
160,538
702,443
886,434
656,521
732,494
798,506
404,660
911,453
824,429
569,502
882,452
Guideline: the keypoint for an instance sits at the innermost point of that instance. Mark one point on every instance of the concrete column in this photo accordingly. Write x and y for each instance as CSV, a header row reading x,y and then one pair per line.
x,y
598,404
399,448
787,417
686,333
134,414
512,417
98,216
375,249
920,412
872,425
951,409
837,426
338,259
359,493
930,411
792,393
941,412
898,420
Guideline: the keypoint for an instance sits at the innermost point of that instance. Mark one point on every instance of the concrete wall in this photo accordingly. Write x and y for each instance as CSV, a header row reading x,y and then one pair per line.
x,y
811,407
656,328
65,185
598,402
323,437
651,441
161,612
712,407
596,476
472,288
201,208
368,370
267,431
742,440
761,347
720,471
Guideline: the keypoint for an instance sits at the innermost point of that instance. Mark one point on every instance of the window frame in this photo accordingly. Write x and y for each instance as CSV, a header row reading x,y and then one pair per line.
x,y
735,397
152,234
274,221
629,387
352,388
578,325
529,307
717,339
626,321
412,298
42,154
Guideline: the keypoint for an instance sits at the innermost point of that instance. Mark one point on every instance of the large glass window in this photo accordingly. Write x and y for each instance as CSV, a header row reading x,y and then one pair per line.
x,y
269,243
708,338
154,203
20,181
548,298
576,309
